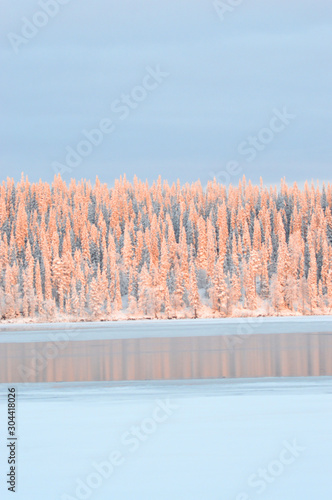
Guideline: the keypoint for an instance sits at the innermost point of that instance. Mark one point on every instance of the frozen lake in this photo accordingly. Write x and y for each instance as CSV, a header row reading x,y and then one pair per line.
x,y
268,439
167,350
117,330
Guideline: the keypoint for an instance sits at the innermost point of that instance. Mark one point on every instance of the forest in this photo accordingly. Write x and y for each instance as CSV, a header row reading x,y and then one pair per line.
x,y
81,253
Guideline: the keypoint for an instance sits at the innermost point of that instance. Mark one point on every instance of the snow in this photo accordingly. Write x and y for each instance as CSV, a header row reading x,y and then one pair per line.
x,y
165,328
216,435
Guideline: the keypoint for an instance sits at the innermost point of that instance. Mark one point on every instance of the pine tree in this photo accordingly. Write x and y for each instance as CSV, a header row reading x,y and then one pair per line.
x,y
95,298
220,288
194,298
127,249
74,249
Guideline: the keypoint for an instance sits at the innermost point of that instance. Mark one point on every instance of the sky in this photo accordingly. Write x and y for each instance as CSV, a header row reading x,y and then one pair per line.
x,y
185,89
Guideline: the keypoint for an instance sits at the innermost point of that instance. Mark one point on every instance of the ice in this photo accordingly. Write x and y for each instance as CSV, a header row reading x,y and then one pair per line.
x,y
219,435
165,328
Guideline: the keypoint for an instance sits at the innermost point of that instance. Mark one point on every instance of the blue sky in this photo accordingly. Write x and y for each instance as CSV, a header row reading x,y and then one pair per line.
x,y
227,76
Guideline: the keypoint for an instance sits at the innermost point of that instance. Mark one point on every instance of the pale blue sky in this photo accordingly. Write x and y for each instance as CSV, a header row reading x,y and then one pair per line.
x,y
226,79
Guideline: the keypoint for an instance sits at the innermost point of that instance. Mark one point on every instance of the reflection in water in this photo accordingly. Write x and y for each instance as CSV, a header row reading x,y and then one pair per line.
x,y
269,355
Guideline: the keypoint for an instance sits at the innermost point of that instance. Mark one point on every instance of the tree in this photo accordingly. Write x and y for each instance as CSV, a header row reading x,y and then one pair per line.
x,y
127,251
194,298
95,298
77,249
312,280
145,285
39,290
220,287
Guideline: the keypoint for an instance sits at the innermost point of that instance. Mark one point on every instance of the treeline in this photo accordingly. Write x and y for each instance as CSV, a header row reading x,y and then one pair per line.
x,y
163,251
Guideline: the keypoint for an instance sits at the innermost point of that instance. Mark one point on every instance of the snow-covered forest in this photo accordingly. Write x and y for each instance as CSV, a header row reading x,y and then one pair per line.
x,y
83,252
